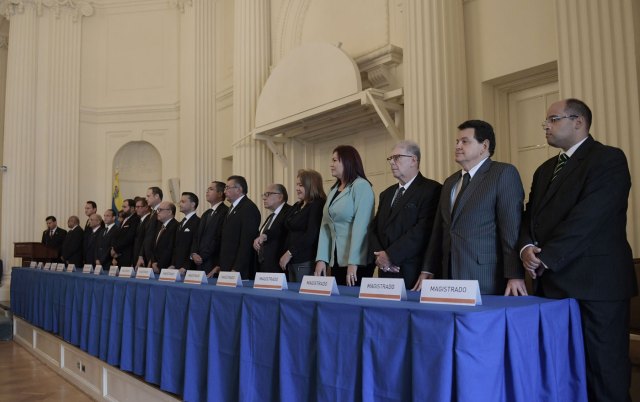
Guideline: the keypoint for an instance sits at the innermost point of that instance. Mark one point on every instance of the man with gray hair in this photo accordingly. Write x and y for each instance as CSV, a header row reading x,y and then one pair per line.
x,y
400,231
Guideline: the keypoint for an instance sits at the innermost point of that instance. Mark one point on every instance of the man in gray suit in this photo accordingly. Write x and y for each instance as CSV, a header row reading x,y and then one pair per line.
x,y
478,219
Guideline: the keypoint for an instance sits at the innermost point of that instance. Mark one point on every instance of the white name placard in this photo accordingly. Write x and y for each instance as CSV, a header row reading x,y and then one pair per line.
x,y
319,285
270,280
87,268
70,267
443,291
97,270
40,266
113,270
229,279
33,264
170,275
195,277
145,273
58,267
47,266
383,289
125,272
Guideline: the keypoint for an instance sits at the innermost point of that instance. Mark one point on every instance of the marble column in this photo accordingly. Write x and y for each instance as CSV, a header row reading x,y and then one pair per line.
x,y
597,62
18,190
252,55
435,81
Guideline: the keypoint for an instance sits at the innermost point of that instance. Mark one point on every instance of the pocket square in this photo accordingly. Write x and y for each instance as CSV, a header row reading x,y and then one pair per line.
x,y
187,230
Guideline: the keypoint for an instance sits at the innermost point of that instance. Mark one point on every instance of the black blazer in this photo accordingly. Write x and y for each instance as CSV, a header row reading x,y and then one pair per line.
x,y
162,250
303,228
89,245
150,236
207,242
184,239
404,231
104,241
56,240
141,235
124,241
239,230
273,248
579,221
72,247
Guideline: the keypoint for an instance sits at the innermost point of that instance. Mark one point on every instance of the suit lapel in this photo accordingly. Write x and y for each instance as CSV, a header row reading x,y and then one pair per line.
x,y
447,188
473,185
406,197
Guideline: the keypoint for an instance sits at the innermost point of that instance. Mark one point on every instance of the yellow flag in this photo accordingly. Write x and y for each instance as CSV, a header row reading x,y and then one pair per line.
x,y
116,199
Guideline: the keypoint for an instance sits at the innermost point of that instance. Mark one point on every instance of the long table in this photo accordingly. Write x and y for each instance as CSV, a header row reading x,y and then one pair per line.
x,y
226,344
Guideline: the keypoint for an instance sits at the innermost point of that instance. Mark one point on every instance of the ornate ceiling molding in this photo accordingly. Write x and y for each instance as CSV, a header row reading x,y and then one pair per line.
x,y
4,42
181,4
79,8
11,7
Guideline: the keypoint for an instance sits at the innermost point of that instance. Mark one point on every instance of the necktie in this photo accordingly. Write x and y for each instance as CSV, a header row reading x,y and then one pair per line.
x,y
184,222
562,160
162,229
267,223
466,178
396,198
51,233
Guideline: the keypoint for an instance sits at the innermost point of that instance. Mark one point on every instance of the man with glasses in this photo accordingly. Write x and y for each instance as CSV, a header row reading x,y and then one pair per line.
x,y
400,231
144,214
205,250
573,242
239,230
154,198
269,244
476,227
164,237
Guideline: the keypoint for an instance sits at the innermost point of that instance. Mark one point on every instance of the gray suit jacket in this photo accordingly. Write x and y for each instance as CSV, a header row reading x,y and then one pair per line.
x,y
478,242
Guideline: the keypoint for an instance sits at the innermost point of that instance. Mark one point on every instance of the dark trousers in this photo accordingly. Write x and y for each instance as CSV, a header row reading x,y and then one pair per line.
x,y
340,273
605,328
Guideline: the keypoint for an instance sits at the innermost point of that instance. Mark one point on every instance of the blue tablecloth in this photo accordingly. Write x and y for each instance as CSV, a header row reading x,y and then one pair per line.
x,y
228,344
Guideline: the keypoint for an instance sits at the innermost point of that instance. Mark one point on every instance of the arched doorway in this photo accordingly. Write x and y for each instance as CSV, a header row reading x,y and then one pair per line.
x,y
139,166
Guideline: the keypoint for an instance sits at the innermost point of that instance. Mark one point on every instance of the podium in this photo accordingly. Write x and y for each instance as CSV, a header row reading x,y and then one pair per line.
x,y
33,251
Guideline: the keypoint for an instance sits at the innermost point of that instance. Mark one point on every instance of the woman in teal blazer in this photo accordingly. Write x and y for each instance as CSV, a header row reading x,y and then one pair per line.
x,y
342,242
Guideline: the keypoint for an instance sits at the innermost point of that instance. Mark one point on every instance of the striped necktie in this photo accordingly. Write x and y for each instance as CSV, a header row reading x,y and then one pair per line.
x,y
562,160
399,193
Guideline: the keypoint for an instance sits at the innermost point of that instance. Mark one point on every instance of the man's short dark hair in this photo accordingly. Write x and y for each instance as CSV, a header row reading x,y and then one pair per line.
x,y
241,181
282,189
93,204
192,197
220,188
142,200
130,202
156,191
577,107
50,218
481,131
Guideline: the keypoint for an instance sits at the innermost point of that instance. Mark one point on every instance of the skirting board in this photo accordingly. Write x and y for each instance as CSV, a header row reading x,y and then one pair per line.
x,y
93,376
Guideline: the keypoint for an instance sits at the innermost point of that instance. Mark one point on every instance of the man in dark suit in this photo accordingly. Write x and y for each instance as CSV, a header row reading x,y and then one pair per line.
x,y
187,230
104,239
205,250
90,208
239,230
573,242
154,198
90,239
400,231
144,213
164,239
53,236
71,252
269,244
124,240
478,218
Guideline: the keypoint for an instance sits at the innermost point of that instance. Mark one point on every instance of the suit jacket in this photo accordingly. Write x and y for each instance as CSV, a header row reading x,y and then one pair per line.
x,y
207,242
141,235
239,230
404,231
71,252
478,241
273,248
579,221
184,239
150,236
303,226
124,241
104,241
345,222
55,241
163,244
89,245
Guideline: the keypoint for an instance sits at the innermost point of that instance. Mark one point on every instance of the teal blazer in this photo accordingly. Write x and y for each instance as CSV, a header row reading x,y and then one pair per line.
x,y
345,222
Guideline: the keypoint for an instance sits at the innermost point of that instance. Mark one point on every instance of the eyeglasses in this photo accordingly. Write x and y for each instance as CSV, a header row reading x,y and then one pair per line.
x,y
268,193
396,157
162,209
552,119
230,187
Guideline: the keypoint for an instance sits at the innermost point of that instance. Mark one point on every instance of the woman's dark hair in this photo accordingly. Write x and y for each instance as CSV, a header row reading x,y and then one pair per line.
x,y
351,163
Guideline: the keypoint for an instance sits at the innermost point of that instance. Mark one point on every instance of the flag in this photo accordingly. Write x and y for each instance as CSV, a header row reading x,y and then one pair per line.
x,y
116,198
